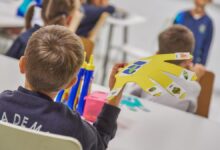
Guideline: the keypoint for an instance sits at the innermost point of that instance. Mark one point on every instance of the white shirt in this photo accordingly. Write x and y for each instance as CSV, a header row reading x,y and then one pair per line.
x,y
188,104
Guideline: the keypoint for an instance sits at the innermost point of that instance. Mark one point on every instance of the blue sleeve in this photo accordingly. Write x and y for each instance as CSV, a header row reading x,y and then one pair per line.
x,y
15,50
207,43
179,18
93,13
110,9
98,136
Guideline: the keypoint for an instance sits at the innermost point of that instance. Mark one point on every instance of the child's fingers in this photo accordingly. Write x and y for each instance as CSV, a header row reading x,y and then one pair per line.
x,y
115,70
117,67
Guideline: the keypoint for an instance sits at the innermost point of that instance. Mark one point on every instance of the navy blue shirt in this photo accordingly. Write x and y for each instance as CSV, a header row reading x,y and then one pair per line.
x,y
38,112
202,29
92,14
18,47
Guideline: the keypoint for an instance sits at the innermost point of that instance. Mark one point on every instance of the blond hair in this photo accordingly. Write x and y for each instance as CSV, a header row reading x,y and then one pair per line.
x,y
53,56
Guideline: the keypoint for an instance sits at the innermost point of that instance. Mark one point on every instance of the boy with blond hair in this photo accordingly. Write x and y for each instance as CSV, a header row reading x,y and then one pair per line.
x,y
50,63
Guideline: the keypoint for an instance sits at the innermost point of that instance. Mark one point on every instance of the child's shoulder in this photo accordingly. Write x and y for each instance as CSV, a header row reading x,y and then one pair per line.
x,y
24,37
6,94
183,13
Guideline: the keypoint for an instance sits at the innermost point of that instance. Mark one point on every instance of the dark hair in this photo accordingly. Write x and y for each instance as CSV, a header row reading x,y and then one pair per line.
x,y
53,56
53,12
176,38
89,1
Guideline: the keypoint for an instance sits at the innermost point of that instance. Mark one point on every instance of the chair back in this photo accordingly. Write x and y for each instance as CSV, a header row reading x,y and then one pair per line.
x,y
19,138
204,100
99,25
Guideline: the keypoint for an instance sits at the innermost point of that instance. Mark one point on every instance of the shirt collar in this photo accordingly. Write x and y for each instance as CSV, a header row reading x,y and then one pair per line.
x,y
190,14
36,26
37,94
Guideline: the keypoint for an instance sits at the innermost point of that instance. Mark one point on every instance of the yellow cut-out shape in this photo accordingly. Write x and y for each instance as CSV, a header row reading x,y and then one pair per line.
x,y
151,71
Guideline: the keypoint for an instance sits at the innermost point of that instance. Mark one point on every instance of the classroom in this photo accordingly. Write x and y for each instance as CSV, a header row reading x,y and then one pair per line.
x,y
109,75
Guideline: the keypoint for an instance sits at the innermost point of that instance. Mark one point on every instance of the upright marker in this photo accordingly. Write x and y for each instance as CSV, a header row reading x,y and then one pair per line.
x,y
86,85
75,91
66,95
59,96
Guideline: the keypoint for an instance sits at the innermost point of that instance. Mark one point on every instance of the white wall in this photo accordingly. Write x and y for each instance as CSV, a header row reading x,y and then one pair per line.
x,y
217,2
159,13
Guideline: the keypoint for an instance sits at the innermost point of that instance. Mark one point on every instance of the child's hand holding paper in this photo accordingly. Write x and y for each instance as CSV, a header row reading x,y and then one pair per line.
x,y
112,81
151,71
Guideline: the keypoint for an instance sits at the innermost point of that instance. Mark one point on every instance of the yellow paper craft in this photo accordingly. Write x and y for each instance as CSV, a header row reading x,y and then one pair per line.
x,y
151,71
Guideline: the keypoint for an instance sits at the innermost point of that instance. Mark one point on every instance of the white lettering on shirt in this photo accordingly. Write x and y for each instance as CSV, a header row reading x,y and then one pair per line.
x,y
24,121
21,121
35,127
4,117
17,119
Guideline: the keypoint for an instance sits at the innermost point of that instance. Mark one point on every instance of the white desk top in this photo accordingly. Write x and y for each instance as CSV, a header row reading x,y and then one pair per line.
x,y
8,16
130,20
162,128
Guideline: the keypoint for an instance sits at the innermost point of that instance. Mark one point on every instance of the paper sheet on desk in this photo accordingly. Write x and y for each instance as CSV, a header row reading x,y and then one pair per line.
x,y
151,71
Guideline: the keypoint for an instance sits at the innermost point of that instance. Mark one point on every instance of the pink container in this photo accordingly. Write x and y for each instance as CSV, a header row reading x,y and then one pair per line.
x,y
94,104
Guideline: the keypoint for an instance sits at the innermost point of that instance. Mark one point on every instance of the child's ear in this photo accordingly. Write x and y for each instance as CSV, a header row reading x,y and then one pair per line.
x,y
72,82
22,64
69,20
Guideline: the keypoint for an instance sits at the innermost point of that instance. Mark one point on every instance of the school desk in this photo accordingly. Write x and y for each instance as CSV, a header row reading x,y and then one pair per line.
x,y
8,18
164,128
125,24
160,128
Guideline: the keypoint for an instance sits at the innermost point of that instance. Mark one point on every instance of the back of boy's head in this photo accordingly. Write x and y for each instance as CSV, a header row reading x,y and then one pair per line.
x,y
53,11
176,38
89,1
53,56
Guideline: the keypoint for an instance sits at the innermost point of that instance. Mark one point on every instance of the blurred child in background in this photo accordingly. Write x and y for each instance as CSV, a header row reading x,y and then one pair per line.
x,y
59,12
173,40
202,27
93,9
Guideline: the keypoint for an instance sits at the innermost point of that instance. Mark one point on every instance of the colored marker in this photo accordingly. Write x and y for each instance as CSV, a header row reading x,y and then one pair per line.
x,y
74,94
66,96
86,85
59,96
